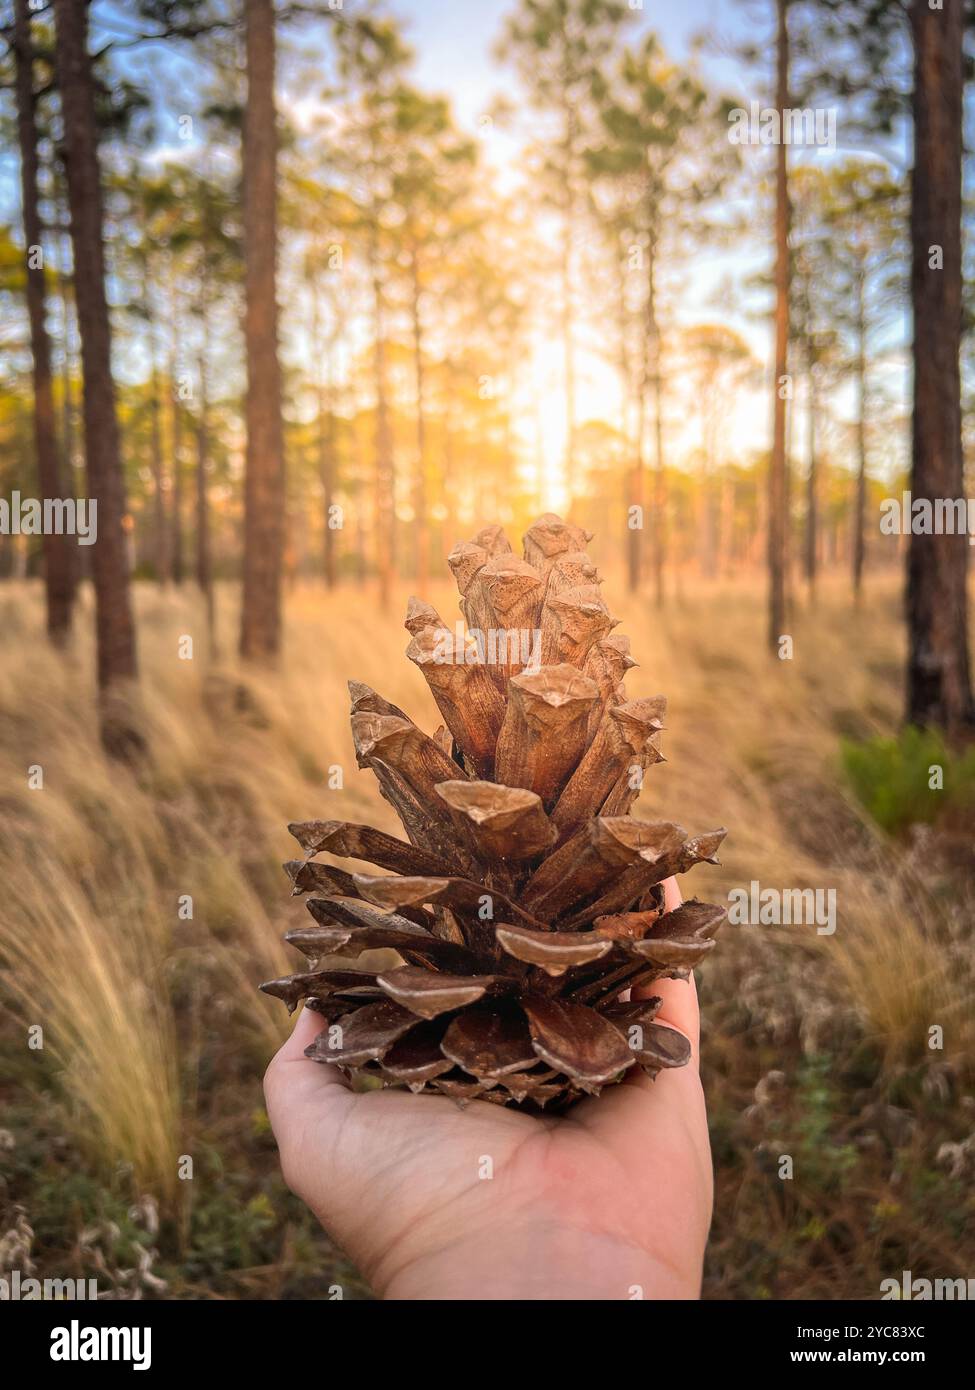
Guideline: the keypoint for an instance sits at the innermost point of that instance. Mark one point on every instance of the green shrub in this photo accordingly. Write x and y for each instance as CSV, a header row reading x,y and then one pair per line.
x,y
892,777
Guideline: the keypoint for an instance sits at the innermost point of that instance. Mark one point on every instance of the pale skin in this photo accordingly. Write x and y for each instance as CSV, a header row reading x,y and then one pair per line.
x,y
610,1201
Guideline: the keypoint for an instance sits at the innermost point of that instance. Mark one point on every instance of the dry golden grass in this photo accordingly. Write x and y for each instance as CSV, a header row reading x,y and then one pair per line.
x,y
95,864
754,743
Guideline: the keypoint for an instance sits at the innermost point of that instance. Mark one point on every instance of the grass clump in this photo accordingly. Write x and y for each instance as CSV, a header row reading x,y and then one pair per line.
x,y
913,777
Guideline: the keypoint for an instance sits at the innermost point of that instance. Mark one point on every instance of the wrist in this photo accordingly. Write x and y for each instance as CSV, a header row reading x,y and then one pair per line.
x,y
544,1260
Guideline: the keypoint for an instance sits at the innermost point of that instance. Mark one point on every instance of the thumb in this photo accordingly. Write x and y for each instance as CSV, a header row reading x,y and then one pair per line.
x,y
292,1082
680,1007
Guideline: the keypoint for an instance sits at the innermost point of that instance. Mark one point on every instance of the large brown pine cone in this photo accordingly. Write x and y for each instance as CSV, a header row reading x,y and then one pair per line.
x,y
528,899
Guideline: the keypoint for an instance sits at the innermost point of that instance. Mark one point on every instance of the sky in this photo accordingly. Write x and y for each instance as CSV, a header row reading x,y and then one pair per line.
x,y
453,42
454,39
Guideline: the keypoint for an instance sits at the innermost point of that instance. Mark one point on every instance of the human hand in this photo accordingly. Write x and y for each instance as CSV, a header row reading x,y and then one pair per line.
x,y
610,1200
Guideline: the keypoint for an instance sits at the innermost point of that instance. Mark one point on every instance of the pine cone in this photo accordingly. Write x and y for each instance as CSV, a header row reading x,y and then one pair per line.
x,y
528,899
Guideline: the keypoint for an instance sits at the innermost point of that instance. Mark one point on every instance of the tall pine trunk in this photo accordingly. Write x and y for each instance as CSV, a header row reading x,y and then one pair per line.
x,y
659,483
449,458
70,447
175,539
422,521
115,631
659,477
812,477
326,472
860,499
632,457
385,478
58,571
778,482
566,268
653,378
68,412
260,629
325,431
204,574
938,673
160,520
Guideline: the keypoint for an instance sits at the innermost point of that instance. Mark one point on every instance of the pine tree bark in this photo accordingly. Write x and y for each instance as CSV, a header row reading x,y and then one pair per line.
x,y
812,478
160,522
58,569
204,575
66,310
653,377
115,631
632,451
778,481
449,453
260,632
938,671
860,501
659,484
422,521
325,432
175,541
566,275
70,451
326,473
385,478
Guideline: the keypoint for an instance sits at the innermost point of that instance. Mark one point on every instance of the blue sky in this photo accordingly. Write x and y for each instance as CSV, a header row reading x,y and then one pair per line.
x,y
454,39
453,42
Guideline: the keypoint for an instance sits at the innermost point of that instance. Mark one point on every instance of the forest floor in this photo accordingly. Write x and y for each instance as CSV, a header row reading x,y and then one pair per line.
x,y
142,908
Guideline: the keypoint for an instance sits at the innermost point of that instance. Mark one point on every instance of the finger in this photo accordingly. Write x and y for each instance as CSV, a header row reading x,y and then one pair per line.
x,y
680,1007
300,1095
308,1025
672,895
292,1081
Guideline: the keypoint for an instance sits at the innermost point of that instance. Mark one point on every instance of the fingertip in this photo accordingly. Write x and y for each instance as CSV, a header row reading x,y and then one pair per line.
x,y
679,1008
672,895
279,1074
307,1027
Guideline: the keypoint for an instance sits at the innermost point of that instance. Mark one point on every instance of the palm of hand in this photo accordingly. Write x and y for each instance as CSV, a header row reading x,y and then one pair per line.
x,y
611,1200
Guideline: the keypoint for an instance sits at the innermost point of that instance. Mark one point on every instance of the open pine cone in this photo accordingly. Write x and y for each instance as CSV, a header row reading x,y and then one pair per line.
x,y
528,899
